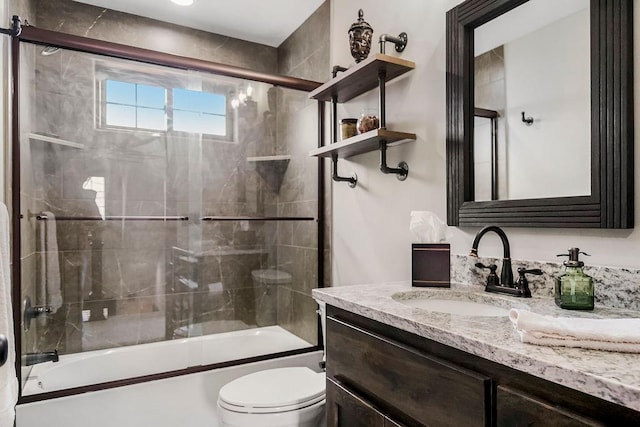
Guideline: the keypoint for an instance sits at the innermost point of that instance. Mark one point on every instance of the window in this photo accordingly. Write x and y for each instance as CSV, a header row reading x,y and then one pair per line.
x,y
137,106
199,112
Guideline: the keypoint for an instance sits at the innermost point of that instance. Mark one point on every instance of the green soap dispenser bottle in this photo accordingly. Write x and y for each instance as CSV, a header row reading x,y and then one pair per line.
x,y
573,288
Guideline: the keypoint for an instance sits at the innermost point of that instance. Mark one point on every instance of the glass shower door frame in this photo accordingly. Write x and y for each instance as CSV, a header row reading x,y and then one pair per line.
x,y
35,35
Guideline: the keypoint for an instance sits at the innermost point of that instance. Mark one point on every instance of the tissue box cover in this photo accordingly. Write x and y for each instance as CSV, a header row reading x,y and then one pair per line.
x,y
430,265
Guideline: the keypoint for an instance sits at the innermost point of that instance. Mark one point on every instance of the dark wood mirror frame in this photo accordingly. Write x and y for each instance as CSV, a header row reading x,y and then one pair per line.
x,y
610,204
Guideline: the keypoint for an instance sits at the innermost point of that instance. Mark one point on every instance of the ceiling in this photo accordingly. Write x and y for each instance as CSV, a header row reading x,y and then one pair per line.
x,y
267,22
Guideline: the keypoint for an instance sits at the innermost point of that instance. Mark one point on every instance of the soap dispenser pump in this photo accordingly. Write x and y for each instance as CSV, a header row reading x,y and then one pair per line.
x,y
573,288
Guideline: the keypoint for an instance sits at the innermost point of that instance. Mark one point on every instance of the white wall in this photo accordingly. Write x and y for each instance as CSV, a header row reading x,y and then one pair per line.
x,y
4,96
523,20
371,238
545,77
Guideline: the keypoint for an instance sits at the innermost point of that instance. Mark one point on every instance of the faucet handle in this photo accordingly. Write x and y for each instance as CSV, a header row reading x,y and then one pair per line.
x,y
492,278
522,283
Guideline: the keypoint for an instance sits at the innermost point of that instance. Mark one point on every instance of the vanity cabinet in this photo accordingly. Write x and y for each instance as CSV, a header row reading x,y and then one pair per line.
x,y
378,375
515,408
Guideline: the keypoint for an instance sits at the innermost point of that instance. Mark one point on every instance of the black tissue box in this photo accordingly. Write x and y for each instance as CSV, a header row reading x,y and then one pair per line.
x,y
430,265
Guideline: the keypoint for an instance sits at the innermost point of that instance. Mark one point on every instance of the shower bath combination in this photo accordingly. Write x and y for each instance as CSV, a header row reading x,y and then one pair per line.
x,y
162,213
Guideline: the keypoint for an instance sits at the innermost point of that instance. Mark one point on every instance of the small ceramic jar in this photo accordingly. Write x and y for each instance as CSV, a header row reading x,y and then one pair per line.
x,y
348,128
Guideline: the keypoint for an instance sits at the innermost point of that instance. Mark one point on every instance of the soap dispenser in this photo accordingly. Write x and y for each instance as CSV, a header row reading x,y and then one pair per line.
x,y
573,288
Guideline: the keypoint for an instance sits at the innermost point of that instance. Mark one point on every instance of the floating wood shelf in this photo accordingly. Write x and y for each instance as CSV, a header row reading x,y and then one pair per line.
x,y
363,143
362,78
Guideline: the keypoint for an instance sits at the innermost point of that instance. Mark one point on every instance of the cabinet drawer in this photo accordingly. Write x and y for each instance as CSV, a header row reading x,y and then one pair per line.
x,y
515,409
394,375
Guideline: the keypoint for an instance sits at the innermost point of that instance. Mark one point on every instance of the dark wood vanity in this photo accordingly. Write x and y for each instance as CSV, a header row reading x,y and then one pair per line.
x,y
378,375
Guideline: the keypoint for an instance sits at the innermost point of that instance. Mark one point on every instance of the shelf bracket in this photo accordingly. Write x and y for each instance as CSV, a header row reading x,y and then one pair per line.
x,y
337,69
352,180
402,171
400,42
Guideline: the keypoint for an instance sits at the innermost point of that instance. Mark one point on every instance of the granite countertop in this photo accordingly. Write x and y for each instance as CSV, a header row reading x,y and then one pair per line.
x,y
610,376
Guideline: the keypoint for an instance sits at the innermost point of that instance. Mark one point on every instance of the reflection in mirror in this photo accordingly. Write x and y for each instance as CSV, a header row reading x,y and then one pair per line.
x,y
530,70
487,180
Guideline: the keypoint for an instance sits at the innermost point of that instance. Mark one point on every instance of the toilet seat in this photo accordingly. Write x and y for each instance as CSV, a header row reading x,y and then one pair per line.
x,y
273,391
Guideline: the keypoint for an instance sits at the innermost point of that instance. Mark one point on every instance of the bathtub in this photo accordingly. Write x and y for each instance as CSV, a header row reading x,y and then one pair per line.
x,y
183,401
94,367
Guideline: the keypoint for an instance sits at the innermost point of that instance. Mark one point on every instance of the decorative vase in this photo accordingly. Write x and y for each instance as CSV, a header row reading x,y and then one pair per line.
x,y
367,122
360,36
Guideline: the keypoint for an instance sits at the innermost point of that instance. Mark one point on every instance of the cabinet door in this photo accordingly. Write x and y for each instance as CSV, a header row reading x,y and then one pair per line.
x,y
425,388
345,409
516,409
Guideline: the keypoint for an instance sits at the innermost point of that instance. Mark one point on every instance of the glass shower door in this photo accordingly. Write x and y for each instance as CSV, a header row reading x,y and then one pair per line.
x,y
164,212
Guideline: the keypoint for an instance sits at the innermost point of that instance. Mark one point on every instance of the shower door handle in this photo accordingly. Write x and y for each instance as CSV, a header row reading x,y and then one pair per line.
x,y
4,349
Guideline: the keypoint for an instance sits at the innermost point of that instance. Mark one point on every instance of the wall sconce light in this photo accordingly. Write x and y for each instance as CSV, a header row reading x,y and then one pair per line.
x,y
243,97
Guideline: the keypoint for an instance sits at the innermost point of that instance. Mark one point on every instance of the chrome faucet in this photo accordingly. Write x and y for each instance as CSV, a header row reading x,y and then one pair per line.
x,y
505,283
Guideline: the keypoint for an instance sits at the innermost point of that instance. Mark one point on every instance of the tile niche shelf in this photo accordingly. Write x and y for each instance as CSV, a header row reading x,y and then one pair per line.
x,y
375,71
271,169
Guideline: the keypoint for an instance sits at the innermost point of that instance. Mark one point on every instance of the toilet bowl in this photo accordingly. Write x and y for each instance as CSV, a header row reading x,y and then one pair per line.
x,y
282,397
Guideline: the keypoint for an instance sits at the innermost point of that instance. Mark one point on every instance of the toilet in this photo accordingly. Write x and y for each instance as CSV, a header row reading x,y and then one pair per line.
x,y
265,284
281,397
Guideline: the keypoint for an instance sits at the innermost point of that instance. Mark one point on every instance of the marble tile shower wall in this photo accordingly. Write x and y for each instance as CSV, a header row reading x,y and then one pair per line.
x,y
140,276
305,54
147,175
28,200
27,195
81,19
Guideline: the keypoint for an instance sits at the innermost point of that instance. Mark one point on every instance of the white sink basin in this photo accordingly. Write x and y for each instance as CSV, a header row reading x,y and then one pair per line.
x,y
457,303
460,308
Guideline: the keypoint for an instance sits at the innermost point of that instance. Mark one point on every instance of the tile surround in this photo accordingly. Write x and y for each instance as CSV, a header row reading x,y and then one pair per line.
x,y
135,258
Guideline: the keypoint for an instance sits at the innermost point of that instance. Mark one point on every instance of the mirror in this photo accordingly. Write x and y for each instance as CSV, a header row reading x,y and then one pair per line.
x,y
530,74
540,113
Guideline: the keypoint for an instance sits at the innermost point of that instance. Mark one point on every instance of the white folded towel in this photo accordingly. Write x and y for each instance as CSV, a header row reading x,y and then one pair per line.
x,y
8,380
621,335
50,271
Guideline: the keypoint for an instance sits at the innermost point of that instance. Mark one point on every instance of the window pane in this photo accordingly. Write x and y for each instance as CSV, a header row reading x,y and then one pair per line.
x,y
186,121
121,92
204,102
121,115
151,96
214,125
150,118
